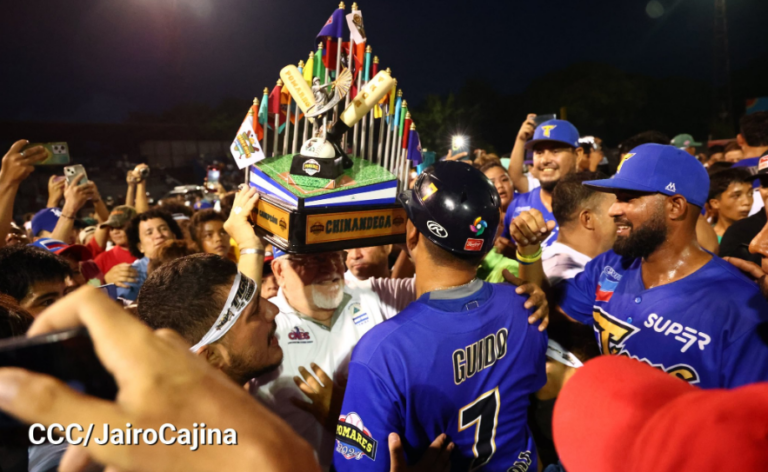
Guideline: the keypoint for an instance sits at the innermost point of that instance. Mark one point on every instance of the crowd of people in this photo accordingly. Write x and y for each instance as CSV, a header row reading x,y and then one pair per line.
x,y
543,317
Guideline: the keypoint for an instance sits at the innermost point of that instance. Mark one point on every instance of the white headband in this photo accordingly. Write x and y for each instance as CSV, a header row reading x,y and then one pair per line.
x,y
180,216
240,295
556,352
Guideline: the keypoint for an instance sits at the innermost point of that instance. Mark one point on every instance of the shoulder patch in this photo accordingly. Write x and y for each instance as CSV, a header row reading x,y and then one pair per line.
x,y
353,440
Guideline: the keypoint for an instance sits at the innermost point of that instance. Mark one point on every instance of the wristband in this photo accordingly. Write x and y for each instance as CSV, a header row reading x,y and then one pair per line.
x,y
252,250
527,260
69,217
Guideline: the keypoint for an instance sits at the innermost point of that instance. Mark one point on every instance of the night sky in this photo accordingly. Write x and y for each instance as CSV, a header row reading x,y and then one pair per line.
x,y
98,60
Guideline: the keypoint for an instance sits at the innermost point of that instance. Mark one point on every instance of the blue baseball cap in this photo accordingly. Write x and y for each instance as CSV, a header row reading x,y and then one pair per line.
x,y
560,131
659,168
277,252
45,220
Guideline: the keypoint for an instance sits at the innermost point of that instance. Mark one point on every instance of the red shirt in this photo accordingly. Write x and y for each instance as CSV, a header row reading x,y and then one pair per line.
x,y
109,259
94,247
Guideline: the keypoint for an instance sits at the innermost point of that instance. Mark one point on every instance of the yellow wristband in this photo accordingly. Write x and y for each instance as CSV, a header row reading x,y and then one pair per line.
x,y
529,259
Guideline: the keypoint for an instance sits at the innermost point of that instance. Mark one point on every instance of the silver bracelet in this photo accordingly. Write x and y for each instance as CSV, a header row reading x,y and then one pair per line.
x,y
252,250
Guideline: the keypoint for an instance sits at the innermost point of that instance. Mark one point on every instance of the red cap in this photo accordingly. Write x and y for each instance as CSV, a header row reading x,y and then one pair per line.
x,y
617,413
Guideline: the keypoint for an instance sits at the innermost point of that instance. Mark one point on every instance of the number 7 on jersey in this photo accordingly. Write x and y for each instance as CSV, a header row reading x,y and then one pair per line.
x,y
484,414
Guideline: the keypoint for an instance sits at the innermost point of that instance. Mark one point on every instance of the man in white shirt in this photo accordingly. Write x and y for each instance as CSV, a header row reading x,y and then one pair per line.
x,y
586,230
321,320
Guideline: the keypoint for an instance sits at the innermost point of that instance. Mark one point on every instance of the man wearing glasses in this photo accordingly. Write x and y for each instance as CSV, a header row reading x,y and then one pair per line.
x,y
321,320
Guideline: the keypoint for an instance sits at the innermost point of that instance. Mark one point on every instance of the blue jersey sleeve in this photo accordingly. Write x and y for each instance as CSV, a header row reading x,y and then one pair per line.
x,y
745,360
371,410
576,296
508,219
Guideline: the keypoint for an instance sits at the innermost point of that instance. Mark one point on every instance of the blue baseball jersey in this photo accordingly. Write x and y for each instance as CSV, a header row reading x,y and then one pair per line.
x,y
702,328
524,202
462,367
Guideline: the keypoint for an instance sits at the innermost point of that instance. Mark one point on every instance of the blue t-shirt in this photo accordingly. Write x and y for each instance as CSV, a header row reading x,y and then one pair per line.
x,y
702,328
130,293
524,202
467,372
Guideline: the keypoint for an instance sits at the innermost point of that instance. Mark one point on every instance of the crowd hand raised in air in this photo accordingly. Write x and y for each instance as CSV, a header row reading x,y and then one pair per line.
x,y
529,230
17,163
159,382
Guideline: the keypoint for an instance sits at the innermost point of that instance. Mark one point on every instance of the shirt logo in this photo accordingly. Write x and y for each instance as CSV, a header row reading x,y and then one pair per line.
x,y
478,227
437,229
353,440
688,336
299,336
606,284
358,315
671,187
548,130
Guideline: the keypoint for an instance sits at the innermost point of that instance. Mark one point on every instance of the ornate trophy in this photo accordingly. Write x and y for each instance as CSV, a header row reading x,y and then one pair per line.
x,y
329,197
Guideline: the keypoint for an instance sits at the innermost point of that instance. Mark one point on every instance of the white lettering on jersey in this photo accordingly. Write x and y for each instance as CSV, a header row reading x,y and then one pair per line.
x,y
688,336
479,355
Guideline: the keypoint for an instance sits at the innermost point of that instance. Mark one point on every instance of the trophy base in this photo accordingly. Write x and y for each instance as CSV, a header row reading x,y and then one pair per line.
x,y
318,167
325,229
357,209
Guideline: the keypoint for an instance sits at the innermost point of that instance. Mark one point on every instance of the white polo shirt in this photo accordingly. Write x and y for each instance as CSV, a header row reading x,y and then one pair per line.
x,y
561,262
304,341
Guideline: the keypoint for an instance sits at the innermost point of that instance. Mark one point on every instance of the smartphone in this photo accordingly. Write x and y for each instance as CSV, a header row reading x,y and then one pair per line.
x,y
212,180
58,153
460,144
542,118
67,355
70,172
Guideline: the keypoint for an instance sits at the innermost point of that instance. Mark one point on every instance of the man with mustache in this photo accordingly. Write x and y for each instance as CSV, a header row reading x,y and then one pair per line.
x,y
556,150
658,296
321,319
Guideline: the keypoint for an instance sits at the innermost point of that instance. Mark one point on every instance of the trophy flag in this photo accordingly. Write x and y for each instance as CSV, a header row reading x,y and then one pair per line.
x,y
355,24
246,148
333,32
275,109
406,130
264,118
414,146
309,69
386,160
319,71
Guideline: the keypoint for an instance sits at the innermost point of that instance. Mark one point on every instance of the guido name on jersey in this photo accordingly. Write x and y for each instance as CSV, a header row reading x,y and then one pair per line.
x,y
479,355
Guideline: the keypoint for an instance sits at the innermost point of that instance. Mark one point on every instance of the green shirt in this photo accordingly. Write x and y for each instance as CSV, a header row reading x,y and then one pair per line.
x,y
494,264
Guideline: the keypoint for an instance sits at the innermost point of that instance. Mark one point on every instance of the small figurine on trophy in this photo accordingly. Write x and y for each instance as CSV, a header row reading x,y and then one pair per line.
x,y
326,99
320,157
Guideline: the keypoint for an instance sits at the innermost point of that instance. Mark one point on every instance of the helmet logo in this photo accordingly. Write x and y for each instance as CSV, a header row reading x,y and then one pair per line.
x,y
478,226
436,229
429,191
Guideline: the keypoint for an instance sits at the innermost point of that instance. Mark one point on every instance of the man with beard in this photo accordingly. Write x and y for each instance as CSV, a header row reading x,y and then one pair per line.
x,y
321,319
556,150
225,319
658,296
